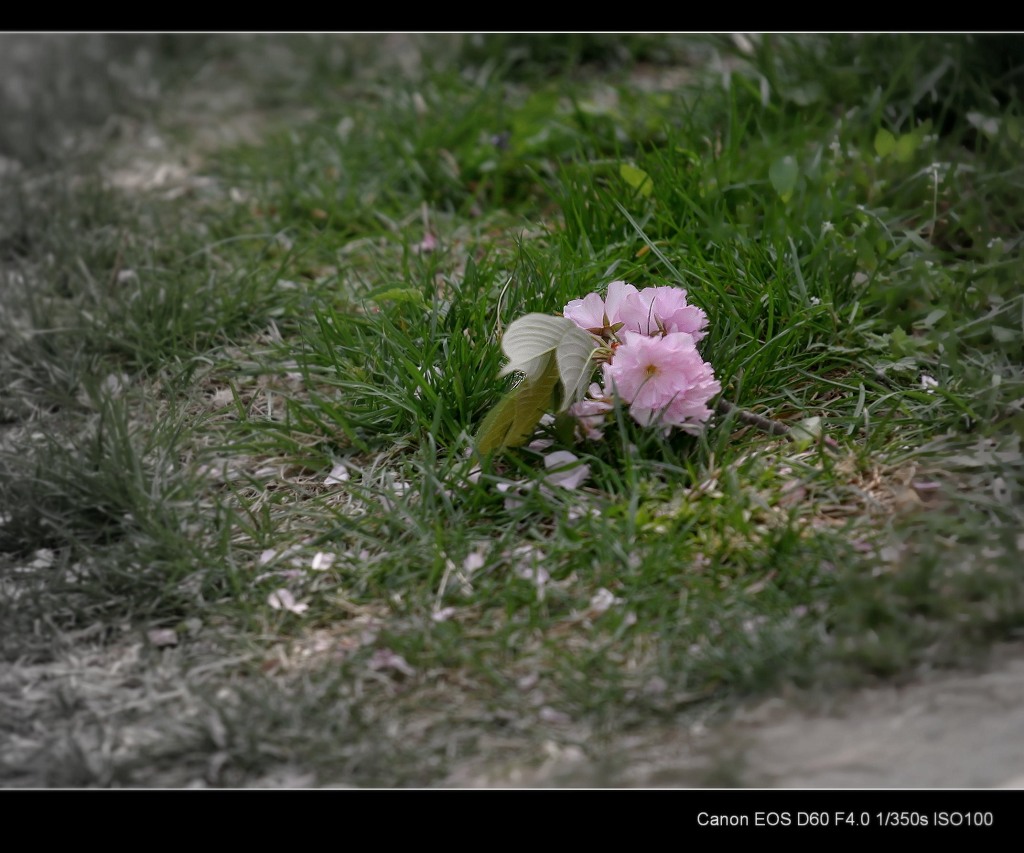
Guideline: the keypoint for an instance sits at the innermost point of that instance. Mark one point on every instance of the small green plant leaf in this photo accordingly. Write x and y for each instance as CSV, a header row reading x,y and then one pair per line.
x,y
885,142
399,294
783,174
637,178
906,145
554,356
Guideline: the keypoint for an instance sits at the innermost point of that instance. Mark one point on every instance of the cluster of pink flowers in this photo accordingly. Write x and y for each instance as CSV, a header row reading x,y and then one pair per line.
x,y
651,362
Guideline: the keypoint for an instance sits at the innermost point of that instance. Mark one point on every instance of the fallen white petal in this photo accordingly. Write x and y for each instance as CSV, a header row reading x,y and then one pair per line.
x,y
116,383
473,562
282,599
537,574
601,600
322,561
564,470
339,474
160,637
387,659
551,715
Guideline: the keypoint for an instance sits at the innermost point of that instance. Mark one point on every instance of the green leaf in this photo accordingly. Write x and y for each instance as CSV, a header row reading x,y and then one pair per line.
x,y
554,356
514,419
575,368
906,145
637,178
529,343
901,344
885,142
495,427
399,294
783,174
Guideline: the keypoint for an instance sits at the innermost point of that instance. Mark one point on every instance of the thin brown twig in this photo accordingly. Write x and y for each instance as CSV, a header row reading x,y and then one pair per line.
x,y
768,425
764,424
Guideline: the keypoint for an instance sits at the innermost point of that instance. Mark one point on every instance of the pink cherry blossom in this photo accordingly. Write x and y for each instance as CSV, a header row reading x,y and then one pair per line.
x,y
587,313
645,370
598,315
655,308
663,379
688,410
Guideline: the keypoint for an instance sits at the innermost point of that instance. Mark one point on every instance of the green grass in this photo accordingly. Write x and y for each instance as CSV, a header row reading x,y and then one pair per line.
x,y
184,375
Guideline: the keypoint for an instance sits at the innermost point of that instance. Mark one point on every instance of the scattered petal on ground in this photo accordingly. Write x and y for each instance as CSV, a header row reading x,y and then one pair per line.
x,y
387,659
565,470
116,383
601,600
161,637
531,571
339,474
473,562
427,244
322,561
282,599
550,715
42,558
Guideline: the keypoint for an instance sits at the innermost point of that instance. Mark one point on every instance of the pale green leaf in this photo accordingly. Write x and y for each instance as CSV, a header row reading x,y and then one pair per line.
x,y
905,147
399,294
783,174
575,368
637,178
885,142
494,428
514,419
529,342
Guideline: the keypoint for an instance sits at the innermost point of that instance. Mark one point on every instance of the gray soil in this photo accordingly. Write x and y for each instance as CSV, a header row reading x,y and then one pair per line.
x,y
93,702
962,729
